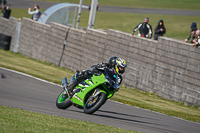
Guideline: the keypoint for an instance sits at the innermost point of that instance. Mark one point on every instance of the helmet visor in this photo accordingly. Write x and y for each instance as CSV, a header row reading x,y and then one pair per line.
x,y
121,69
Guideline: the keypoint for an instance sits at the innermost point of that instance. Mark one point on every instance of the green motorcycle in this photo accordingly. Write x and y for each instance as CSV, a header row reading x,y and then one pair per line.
x,y
91,94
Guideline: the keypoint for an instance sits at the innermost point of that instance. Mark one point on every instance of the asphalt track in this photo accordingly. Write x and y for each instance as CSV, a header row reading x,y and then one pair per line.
x,y
45,5
28,93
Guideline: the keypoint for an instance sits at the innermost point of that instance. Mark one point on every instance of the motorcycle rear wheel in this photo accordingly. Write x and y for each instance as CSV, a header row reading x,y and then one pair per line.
x,y
62,101
93,105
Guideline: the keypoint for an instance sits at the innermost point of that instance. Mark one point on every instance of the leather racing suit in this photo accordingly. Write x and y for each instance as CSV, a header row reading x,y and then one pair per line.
x,y
86,74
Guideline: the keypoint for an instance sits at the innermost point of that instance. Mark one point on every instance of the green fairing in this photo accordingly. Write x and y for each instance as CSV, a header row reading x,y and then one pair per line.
x,y
62,98
89,95
79,98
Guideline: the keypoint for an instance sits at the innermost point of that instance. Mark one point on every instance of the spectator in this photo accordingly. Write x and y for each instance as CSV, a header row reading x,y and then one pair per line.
x,y
196,41
36,13
193,34
194,27
34,10
6,12
145,29
159,29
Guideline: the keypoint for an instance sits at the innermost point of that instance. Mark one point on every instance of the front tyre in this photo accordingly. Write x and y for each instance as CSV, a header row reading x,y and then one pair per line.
x,y
62,101
93,104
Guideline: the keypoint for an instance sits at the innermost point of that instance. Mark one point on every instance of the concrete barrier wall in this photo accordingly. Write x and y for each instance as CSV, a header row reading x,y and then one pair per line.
x,y
8,27
72,56
167,67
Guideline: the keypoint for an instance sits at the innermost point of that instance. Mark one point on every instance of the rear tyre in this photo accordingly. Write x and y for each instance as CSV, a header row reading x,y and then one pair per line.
x,y
62,101
93,105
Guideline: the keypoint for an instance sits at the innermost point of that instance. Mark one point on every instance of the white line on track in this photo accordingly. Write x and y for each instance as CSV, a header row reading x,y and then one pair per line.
x,y
109,99
30,76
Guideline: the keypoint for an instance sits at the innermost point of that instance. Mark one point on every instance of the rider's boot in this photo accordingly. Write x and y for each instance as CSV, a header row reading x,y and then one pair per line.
x,y
71,87
80,77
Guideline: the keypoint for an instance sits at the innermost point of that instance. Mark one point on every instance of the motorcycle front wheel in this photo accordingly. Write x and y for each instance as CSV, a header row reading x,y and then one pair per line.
x,y
62,101
93,104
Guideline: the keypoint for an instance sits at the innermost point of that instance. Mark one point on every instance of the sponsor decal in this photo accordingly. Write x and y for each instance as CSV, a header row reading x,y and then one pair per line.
x,y
77,98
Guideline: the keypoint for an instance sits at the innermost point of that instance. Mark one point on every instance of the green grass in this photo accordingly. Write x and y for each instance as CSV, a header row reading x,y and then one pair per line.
x,y
125,95
20,121
33,67
21,12
161,4
152,102
176,26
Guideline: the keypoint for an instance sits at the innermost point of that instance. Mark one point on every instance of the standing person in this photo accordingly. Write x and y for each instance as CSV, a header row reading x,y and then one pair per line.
x,y
6,12
191,36
159,29
196,41
145,29
36,14
34,10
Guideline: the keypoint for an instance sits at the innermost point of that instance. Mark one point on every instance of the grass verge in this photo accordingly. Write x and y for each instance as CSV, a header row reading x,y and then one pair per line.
x,y
176,26
20,121
166,4
125,95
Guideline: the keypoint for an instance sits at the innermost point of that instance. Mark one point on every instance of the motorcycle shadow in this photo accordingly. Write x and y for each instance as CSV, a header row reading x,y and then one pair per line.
x,y
121,116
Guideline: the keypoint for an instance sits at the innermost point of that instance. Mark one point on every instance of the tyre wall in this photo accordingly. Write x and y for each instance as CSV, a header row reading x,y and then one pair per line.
x,y
167,67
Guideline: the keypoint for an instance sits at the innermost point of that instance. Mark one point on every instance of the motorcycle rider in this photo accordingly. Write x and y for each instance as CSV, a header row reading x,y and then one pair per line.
x,y
115,66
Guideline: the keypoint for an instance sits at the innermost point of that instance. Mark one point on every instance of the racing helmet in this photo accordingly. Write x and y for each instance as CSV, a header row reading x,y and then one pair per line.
x,y
120,65
112,61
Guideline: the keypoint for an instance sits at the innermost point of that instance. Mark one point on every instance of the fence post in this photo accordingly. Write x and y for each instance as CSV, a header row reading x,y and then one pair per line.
x,y
18,28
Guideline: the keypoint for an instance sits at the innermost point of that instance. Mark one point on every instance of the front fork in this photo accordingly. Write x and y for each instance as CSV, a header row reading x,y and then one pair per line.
x,y
95,94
